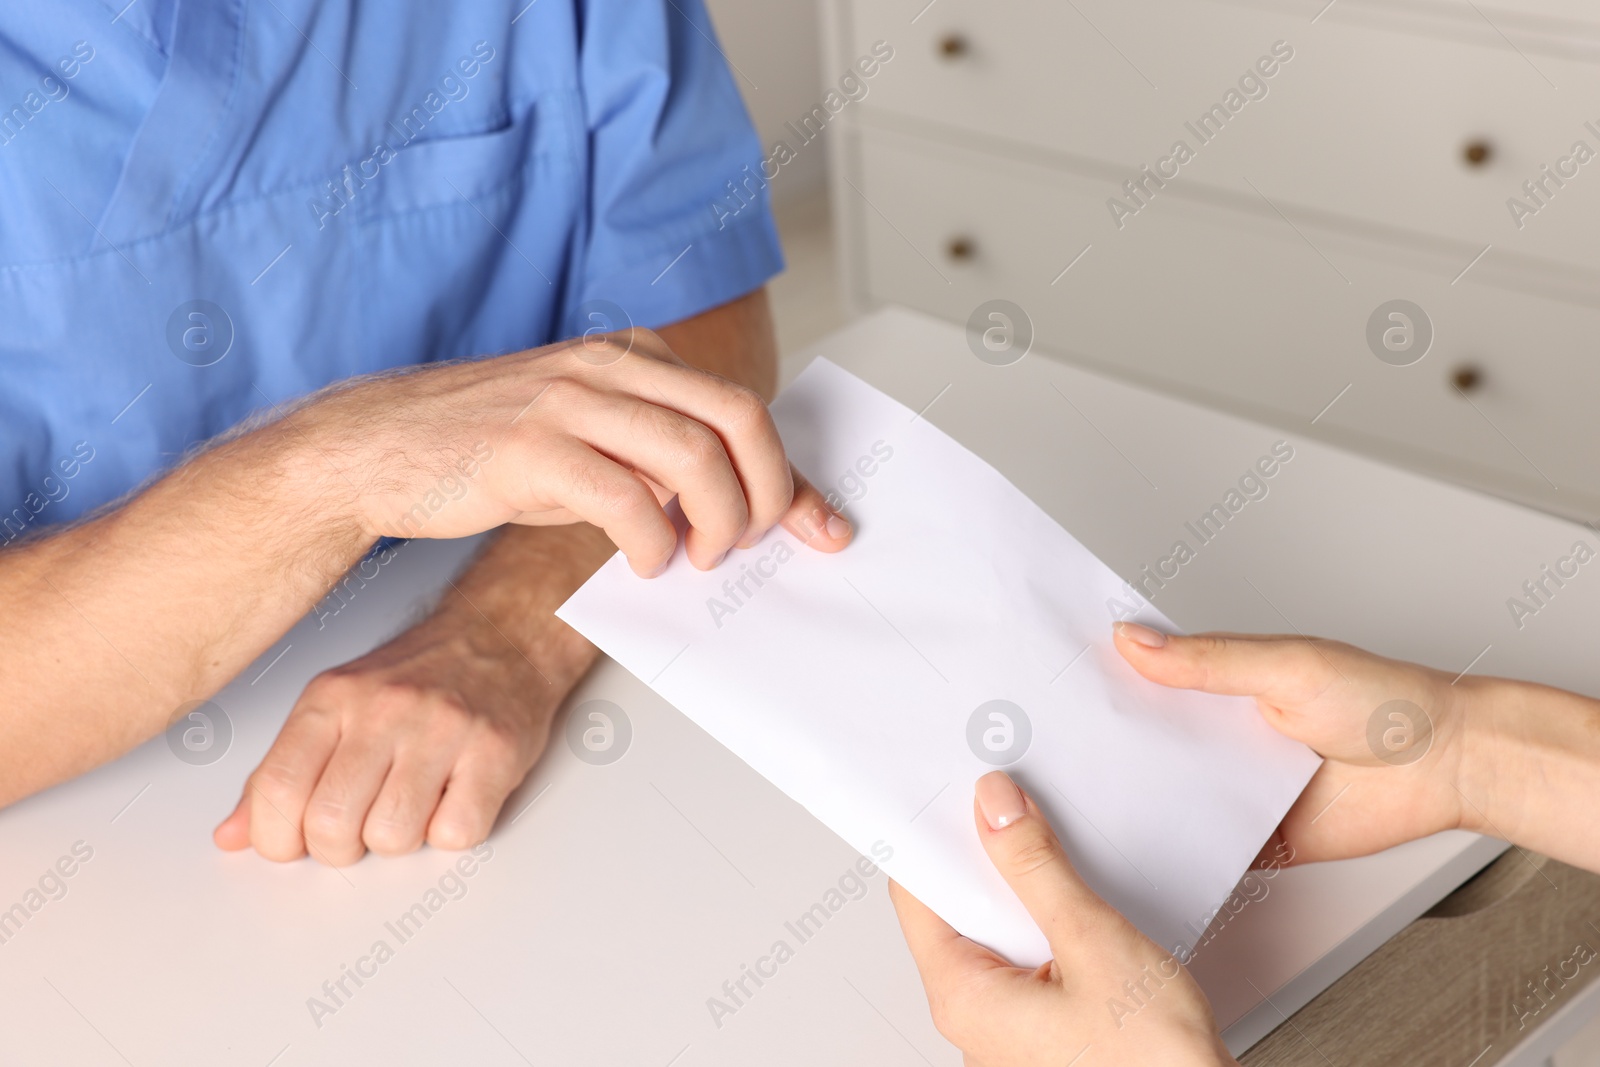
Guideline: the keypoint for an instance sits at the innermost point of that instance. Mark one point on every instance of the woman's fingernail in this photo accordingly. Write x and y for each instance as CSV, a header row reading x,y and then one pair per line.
x,y
1141,635
1000,800
838,528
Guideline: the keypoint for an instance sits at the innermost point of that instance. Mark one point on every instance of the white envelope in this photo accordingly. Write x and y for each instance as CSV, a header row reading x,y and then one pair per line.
x,y
963,629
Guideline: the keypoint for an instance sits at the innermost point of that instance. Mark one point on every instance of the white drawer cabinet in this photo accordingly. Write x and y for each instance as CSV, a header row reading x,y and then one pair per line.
x,y
1417,133
982,162
1238,312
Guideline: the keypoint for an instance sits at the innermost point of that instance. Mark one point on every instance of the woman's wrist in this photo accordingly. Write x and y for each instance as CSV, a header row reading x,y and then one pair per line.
x,y
1488,767
1530,763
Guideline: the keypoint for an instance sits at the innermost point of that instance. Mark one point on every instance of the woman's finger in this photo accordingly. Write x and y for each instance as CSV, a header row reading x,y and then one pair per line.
x,y
1026,852
943,956
1285,670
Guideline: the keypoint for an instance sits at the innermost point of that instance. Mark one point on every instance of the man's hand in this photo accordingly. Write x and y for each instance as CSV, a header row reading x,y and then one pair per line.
x,y
423,739
603,430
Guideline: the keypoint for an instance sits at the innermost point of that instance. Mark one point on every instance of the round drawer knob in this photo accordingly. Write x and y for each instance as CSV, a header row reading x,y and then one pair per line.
x,y
1467,378
1477,153
960,249
953,46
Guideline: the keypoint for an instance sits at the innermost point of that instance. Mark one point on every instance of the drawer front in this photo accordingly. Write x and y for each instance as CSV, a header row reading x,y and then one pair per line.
x,y
1454,988
1425,135
1241,312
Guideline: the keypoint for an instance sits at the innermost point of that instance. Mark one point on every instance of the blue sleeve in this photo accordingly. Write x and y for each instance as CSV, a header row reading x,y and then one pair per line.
x,y
679,216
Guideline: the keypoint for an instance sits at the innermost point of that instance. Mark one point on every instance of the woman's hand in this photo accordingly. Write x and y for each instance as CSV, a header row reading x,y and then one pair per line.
x,y
1110,996
1392,734
1409,751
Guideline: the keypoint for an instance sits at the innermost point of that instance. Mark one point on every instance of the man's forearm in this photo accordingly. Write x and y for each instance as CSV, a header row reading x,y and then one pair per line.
x,y
116,622
737,340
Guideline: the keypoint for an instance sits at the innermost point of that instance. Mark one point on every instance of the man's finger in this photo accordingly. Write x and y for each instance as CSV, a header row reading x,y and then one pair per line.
x,y
398,819
280,788
1029,857
342,798
739,417
810,519
615,499
674,451
477,789
233,833
1276,669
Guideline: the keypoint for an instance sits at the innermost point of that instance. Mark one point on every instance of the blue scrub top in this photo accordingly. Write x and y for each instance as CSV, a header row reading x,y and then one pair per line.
x,y
214,206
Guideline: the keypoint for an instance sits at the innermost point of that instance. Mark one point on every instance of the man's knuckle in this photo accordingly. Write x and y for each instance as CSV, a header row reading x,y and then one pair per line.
x,y
698,446
606,347
621,498
325,821
448,723
331,689
453,711
392,699
454,835
278,848
499,742
391,837
685,442
587,482
275,780
746,409
563,391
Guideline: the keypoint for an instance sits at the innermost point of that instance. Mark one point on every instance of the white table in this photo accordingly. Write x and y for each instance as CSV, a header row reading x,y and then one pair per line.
x,y
620,897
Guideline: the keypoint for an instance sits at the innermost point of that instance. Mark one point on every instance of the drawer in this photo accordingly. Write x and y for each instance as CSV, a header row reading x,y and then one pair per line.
x,y
1464,984
1240,312
1363,122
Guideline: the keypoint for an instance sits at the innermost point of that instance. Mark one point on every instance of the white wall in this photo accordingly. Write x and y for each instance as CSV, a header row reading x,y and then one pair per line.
x,y
776,49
